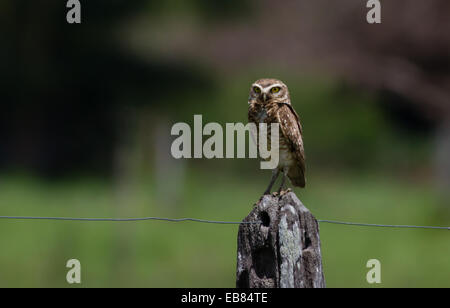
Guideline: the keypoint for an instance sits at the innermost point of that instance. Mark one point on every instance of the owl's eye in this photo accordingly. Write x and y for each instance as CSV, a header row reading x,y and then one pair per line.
x,y
275,90
256,89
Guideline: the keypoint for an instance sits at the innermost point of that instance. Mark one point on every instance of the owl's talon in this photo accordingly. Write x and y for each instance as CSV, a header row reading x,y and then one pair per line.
x,y
283,192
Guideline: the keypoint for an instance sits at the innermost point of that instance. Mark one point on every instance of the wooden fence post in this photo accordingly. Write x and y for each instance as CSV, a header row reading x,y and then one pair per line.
x,y
284,250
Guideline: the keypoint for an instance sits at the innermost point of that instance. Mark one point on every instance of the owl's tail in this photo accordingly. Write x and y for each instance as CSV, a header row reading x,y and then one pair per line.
x,y
297,177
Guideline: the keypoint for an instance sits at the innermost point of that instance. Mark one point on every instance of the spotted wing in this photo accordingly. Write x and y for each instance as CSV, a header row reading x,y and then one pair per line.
x,y
291,129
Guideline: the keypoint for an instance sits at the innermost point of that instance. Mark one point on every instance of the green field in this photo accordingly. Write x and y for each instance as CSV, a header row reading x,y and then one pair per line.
x,y
164,254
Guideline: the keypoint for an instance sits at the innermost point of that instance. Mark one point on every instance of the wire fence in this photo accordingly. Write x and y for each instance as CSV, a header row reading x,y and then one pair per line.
x,y
211,221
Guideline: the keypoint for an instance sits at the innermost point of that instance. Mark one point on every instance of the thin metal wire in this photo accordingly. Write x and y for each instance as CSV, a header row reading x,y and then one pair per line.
x,y
382,226
128,219
210,221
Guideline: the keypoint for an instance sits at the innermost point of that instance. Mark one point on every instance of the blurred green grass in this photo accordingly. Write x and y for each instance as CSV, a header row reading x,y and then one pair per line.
x,y
163,254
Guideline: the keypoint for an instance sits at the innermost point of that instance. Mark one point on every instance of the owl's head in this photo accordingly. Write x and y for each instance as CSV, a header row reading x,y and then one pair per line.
x,y
264,91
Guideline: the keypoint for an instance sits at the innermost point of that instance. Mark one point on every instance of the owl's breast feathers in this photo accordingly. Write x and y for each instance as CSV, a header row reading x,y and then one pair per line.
x,y
291,141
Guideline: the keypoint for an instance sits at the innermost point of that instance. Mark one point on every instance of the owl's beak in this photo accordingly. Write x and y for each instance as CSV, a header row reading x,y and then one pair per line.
x,y
264,97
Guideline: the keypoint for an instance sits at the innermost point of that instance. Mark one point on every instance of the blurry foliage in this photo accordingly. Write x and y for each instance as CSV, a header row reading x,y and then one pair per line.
x,y
64,87
66,90
220,10
208,11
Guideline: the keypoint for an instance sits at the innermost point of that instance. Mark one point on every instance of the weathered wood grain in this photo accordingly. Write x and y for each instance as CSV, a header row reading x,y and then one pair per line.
x,y
284,250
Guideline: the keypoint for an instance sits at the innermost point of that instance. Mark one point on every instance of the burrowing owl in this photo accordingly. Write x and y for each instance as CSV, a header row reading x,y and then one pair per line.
x,y
269,102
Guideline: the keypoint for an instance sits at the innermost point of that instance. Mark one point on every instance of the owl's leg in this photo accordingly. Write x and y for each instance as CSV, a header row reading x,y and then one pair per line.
x,y
283,180
275,173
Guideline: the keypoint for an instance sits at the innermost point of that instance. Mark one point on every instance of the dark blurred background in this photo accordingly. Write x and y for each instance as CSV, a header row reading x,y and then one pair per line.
x,y
87,111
